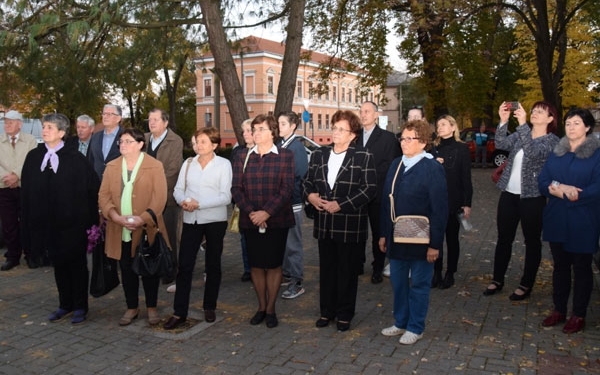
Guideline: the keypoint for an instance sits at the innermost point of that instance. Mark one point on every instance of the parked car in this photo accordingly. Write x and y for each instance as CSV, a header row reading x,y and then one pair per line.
x,y
309,145
496,157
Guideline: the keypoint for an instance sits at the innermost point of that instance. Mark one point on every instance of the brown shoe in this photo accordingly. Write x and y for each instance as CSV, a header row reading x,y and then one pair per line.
x,y
209,316
575,324
153,318
173,323
128,317
554,319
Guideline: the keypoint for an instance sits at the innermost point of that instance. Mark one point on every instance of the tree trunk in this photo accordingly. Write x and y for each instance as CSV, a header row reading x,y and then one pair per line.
x,y
224,64
291,58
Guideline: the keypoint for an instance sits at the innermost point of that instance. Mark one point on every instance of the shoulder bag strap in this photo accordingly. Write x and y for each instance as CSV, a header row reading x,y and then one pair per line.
x,y
393,211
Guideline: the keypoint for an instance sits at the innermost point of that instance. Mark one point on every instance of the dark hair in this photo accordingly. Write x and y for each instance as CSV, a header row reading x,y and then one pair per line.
x,y
271,122
61,121
136,134
421,128
553,125
373,104
292,117
163,115
588,118
351,117
211,132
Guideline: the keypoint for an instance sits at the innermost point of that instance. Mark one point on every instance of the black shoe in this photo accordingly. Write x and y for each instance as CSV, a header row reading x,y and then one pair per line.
x,y
246,277
436,280
258,317
520,297
271,320
173,323
322,322
343,326
33,263
209,316
377,278
9,264
448,281
491,291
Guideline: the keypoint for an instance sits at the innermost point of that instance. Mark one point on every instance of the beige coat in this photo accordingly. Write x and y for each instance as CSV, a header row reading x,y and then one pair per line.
x,y
149,191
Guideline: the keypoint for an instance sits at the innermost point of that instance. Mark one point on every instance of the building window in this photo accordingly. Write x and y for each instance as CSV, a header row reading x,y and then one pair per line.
x,y
270,85
343,94
207,87
327,92
334,93
319,121
310,90
301,121
327,121
299,89
349,95
208,119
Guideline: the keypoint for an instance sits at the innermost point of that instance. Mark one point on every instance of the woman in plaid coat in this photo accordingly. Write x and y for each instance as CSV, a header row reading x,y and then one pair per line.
x,y
341,180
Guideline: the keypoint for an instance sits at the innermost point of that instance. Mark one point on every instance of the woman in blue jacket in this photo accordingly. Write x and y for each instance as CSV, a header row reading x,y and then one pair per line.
x,y
419,189
571,179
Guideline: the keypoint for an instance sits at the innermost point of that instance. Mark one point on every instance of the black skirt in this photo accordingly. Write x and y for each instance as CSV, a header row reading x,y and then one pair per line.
x,y
266,250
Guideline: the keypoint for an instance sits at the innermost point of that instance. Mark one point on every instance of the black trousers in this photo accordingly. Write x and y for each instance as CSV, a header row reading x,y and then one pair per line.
x,y
581,266
131,281
452,246
339,263
511,210
374,210
191,238
72,282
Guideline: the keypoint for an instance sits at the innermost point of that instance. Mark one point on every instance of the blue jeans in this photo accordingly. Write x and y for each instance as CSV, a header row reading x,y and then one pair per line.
x,y
411,296
293,260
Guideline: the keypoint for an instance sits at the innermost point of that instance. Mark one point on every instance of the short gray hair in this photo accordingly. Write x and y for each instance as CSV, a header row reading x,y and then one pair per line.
x,y
116,107
87,119
61,121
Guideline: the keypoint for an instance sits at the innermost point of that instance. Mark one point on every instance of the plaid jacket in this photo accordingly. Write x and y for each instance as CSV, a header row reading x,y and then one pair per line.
x,y
267,184
355,186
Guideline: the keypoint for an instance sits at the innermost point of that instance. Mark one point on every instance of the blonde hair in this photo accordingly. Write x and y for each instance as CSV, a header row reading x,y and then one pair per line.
x,y
453,122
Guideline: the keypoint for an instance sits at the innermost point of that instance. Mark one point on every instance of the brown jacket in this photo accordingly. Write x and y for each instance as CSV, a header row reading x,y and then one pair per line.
x,y
170,154
149,191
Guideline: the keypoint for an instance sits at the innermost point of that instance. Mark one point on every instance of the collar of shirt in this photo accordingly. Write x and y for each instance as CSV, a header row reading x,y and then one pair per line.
x,y
113,134
367,134
273,150
156,141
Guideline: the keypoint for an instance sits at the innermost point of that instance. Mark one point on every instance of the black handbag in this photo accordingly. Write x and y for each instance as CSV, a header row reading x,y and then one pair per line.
x,y
105,276
153,259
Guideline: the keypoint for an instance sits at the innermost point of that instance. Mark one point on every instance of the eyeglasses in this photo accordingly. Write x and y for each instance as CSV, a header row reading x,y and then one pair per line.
x,y
125,142
256,130
110,114
407,139
335,129
539,110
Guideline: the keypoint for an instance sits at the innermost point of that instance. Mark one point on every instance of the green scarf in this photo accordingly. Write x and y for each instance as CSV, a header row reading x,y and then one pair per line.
x,y
126,196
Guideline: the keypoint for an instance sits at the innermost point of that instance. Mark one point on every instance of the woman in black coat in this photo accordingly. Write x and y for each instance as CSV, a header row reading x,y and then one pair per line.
x,y
59,201
456,159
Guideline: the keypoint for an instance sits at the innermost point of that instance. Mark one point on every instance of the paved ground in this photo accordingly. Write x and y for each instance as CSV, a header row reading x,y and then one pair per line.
x,y
465,333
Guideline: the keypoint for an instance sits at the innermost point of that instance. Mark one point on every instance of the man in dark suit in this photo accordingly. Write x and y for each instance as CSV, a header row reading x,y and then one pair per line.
x,y
85,129
385,148
166,146
103,145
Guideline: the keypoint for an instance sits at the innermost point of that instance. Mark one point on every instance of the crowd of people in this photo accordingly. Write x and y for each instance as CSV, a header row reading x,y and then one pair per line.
x,y
138,184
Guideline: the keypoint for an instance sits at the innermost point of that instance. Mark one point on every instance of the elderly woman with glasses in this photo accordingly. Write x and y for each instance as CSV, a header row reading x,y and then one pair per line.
x,y
59,203
263,182
417,183
132,184
341,181
521,199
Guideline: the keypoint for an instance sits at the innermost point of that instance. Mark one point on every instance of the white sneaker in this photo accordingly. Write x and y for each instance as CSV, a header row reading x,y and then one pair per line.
x,y
409,338
392,331
172,288
386,271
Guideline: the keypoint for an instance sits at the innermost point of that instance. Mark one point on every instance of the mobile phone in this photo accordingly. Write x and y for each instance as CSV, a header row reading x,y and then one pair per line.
x,y
512,105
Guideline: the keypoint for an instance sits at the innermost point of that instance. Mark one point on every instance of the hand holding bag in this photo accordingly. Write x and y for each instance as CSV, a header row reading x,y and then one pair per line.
x,y
153,259
413,229
105,276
